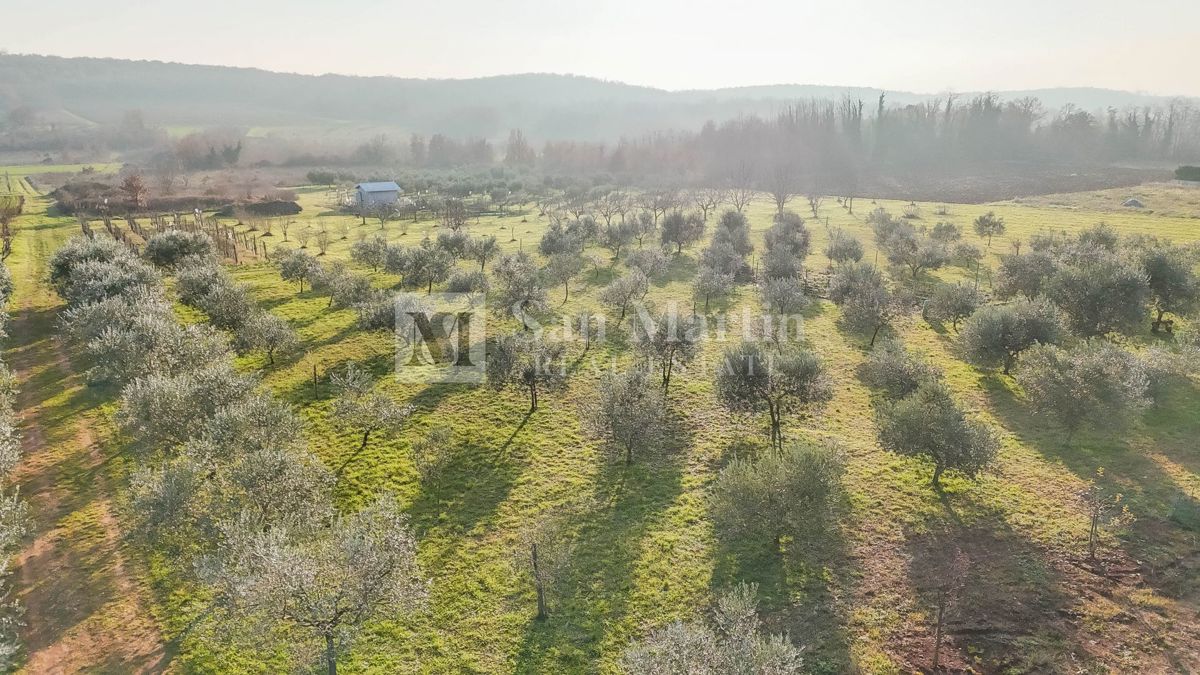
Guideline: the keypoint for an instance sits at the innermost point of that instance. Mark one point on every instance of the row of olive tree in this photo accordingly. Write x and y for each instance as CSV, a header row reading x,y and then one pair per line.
x,y
13,511
1103,283
225,485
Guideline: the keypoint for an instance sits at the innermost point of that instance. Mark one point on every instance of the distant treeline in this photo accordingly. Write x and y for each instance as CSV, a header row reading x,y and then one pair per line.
x,y
828,146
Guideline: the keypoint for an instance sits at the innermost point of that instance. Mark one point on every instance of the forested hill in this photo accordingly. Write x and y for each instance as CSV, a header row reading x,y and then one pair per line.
x,y
544,105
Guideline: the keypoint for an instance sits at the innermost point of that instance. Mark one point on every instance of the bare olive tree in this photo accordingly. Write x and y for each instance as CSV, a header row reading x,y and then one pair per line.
x,y
326,582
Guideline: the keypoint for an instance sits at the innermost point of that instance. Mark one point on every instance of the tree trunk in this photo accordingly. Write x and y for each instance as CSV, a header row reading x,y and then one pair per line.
x,y
875,335
365,438
537,582
330,655
937,476
937,634
1092,536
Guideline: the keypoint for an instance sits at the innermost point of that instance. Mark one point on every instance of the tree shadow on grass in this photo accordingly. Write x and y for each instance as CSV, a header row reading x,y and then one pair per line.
x,y
682,268
1154,541
465,492
799,582
594,597
1137,476
1173,423
968,570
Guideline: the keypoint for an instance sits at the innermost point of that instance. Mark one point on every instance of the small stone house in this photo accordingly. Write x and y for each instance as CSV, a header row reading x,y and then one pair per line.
x,y
370,194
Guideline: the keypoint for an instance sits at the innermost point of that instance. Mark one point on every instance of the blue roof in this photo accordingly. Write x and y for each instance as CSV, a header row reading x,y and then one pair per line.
x,y
383,186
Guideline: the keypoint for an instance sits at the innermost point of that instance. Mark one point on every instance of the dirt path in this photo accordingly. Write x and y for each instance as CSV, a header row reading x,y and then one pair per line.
x,y
83,608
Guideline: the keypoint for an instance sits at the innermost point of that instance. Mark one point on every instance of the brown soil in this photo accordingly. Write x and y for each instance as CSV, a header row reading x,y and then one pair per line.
x,y
83,610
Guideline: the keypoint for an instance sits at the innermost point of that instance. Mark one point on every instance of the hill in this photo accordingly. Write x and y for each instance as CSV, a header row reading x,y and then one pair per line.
x,y
83,90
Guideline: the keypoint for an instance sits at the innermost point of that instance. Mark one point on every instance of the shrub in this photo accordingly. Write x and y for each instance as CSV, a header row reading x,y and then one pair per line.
x,y
467,282
167,249
1189,173
893,370
733,646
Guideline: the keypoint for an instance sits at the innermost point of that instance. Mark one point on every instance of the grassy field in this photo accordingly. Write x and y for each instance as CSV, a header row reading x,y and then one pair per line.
x,y
86,606
645,550
22,170
1163,199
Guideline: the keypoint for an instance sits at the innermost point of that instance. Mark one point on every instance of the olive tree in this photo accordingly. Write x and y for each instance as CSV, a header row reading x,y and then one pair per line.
x,y
996,335
171,408
1106,509
166,249
483,249
680,231
360,408
616,236
623,291
79,250
247,462
733,644
528,361
989,225
558,239
953,303
1095,383
917,252
755,378
545,556
843,248
790,492
371,251
651,261
788,233
783,295
630,413
322,581
428,264
1174,288
671,343
152,343
1024,275
928,423
264,332
561,269
712,283
1101,295
867,304
93,280
522,285
890,368
296,266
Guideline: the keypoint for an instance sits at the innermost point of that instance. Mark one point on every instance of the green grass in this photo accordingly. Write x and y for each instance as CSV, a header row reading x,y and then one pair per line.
x,y
646,552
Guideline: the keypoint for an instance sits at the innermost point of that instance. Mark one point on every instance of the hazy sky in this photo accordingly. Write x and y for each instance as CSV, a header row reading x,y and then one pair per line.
x,y
918,45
